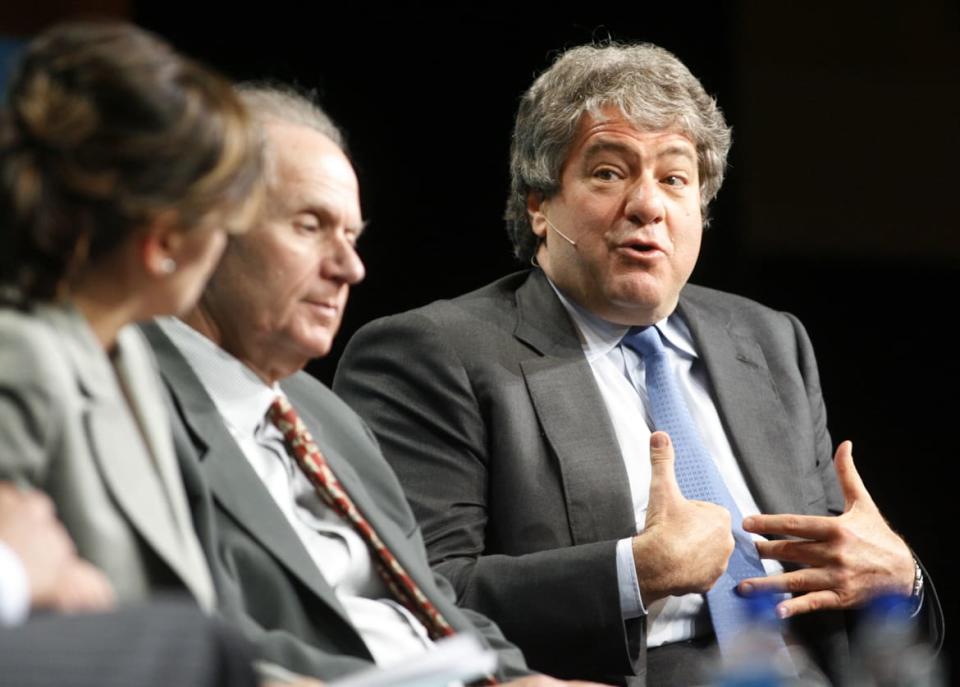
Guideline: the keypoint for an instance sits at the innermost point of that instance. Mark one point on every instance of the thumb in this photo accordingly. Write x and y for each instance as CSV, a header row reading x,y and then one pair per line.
x,y
663,478
852,486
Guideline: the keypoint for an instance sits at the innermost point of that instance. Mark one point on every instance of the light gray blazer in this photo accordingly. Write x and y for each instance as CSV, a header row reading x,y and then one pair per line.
x,y
95,436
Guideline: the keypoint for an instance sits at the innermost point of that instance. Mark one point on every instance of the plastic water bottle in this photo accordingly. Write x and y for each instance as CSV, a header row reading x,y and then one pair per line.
x,y
888,650
757,656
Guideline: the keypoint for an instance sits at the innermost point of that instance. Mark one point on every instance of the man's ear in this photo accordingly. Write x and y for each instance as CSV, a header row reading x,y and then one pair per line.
x,y
535,201
161,243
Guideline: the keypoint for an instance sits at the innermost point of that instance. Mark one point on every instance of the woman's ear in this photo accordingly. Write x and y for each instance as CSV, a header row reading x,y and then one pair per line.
x,y
161,244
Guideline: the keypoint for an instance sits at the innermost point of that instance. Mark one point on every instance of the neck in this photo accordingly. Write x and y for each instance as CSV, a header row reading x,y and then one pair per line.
x,y
107,311
266,364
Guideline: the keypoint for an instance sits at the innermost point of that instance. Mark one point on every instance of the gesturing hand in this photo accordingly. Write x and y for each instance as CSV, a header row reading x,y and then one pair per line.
x,y
849,558
685,545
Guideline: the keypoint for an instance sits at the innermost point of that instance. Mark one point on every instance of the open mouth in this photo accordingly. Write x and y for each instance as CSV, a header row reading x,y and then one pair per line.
x,y
641,248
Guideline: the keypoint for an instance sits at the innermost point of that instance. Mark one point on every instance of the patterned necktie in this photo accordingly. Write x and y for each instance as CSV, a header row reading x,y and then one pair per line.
x,y
698,478
302,448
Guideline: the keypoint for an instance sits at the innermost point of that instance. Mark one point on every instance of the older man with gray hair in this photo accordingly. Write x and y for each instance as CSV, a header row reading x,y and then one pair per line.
x,y
532,422
315,552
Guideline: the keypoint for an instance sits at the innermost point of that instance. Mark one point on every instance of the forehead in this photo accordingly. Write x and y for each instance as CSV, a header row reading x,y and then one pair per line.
x,y
610,130
307,167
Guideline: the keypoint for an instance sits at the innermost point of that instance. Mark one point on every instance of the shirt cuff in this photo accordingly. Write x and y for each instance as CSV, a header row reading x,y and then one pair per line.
x,y
631,605
14,588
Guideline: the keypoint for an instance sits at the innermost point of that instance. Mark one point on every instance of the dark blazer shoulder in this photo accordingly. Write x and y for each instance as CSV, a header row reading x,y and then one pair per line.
x,y
730,304
491,305
780,334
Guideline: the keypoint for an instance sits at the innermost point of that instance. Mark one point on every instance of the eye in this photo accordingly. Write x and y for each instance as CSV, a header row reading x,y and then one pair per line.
x,y
675,181
607,174
306,223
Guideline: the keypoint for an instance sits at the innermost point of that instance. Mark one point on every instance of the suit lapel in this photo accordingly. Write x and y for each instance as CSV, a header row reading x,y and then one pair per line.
x,y
137,369
122,451
573,416
232,480
749,407
393,537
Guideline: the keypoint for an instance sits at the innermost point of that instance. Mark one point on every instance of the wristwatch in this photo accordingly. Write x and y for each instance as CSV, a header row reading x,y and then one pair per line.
x,y
917,580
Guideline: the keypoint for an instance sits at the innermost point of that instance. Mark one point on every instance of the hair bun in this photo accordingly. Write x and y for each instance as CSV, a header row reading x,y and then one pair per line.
x,y
106,126
48,115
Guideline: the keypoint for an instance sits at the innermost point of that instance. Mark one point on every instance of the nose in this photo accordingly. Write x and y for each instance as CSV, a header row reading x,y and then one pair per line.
x,y
644,204
344,264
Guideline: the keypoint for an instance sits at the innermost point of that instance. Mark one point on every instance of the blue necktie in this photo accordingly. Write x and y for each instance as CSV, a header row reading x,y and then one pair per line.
x,y
698,478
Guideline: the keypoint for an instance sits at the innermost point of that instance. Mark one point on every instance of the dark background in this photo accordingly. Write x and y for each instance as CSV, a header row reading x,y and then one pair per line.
x,y
840,204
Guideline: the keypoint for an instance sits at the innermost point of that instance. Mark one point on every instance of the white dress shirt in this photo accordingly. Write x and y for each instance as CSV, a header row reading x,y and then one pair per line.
x,y
389,630
619,373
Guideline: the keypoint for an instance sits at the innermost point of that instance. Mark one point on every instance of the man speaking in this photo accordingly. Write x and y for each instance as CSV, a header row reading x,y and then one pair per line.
x,y
520,417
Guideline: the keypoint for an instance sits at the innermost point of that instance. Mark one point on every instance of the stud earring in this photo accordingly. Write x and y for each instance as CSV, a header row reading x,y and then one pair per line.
x,y
168,266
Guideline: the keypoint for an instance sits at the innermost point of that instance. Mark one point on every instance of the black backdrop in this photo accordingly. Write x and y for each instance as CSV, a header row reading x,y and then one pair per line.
x,y
839,204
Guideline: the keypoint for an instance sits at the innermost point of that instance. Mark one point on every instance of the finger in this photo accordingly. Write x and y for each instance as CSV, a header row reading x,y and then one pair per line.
x,y
98,592
815,527
663,478
854,491
84,588
39,504
57,541
805,552
806,603
794,582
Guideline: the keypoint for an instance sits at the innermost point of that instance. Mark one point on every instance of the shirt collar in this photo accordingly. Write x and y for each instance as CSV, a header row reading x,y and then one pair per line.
x,y
241,397
598,336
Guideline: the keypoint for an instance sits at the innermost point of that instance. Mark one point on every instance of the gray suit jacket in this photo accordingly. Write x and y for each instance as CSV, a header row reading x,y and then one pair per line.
x,y
488,410
95,437
266,581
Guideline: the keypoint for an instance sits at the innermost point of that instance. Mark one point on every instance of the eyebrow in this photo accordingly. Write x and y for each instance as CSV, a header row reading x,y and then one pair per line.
x,y
677,150
613,146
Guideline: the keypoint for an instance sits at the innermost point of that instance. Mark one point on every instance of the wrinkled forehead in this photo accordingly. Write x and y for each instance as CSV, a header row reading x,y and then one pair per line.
x,y
608,128
643,120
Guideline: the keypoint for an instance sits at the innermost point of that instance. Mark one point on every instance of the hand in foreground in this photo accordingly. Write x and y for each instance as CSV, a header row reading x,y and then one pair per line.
x,y
58,579
685,545
849,558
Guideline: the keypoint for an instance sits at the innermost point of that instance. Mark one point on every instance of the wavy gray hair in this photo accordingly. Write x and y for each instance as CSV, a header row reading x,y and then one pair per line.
x,y
648,84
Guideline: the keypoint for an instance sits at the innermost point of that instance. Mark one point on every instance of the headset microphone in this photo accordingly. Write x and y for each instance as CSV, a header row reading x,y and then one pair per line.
x,y
565,237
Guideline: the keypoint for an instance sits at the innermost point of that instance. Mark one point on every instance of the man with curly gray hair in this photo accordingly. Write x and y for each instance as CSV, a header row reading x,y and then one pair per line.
x,y
590,445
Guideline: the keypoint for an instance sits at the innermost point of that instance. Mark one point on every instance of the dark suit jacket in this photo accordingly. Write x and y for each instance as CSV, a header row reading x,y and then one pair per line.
x,y
488,410
155,645
266,581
